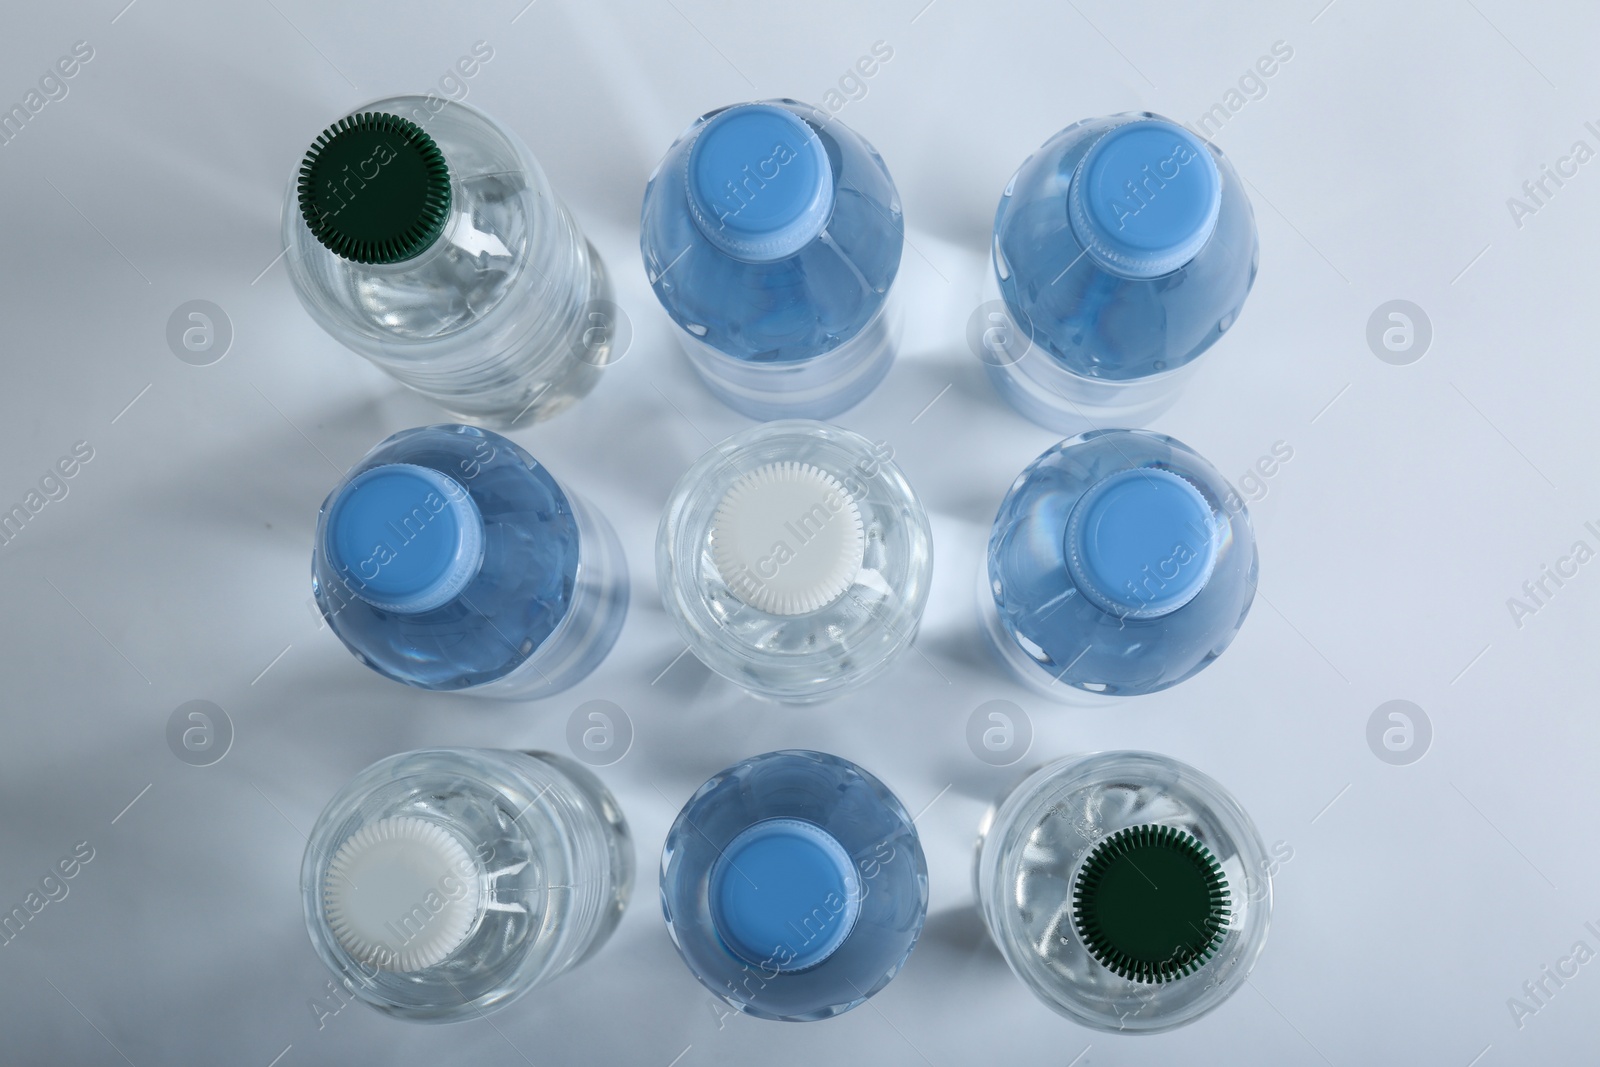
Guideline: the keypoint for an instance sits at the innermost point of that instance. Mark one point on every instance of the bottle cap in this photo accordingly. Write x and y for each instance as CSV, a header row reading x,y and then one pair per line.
x,y
402,894
374,188
787,538
759,182
784,895
1145,198
1141,543
405,538
1150,903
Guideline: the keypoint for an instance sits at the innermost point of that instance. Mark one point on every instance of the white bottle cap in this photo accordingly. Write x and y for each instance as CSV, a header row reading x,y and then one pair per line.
x,y
787,539
402,894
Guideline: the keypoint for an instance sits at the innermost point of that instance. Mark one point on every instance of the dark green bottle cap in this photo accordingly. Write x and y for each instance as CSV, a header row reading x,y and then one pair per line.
x,y
1150,903
375,188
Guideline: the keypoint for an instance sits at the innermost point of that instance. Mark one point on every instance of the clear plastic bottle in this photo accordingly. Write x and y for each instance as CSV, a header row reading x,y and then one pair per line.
x,y
1123,249
1120,563
772,234
794,559
449,558
1128,891
794,885
443,884
424,236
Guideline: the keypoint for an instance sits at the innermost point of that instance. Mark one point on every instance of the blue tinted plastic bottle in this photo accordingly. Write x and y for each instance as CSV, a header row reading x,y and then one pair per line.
x,y
449,558
794,885
772,234
1123,249
1120,563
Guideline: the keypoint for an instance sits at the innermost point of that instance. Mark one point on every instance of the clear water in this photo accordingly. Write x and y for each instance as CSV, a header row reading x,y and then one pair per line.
x,y
812,656
1096,335
491,321
1035,844
759,332
1060,640
554,857
871,825
544,608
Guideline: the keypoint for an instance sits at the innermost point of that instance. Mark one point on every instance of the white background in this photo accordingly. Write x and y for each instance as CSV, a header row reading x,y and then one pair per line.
x,y
1419,498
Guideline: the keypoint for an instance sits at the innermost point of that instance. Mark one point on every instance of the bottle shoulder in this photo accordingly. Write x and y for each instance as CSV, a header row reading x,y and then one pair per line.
x,y
1067,632
486,261
1097,323
880,895
520,594
792,308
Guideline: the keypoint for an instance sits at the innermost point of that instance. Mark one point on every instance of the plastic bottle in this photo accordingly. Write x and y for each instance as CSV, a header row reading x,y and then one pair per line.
x,y
1123,249
772,234
1128,891
449,558
794,885
794,559
424,236
1120,563
443,884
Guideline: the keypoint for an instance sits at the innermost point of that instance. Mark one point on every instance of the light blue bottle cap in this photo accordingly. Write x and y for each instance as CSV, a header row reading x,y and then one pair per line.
x,y
1144,200
1141,543
408,539
760,186
784,895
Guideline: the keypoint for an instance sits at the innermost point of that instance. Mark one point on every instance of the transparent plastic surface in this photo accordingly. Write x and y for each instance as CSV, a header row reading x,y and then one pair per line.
x,y
812,656
546,604
1080,346
874,829
1061,641
553,872
1033,847
809,335
819,387
493,320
